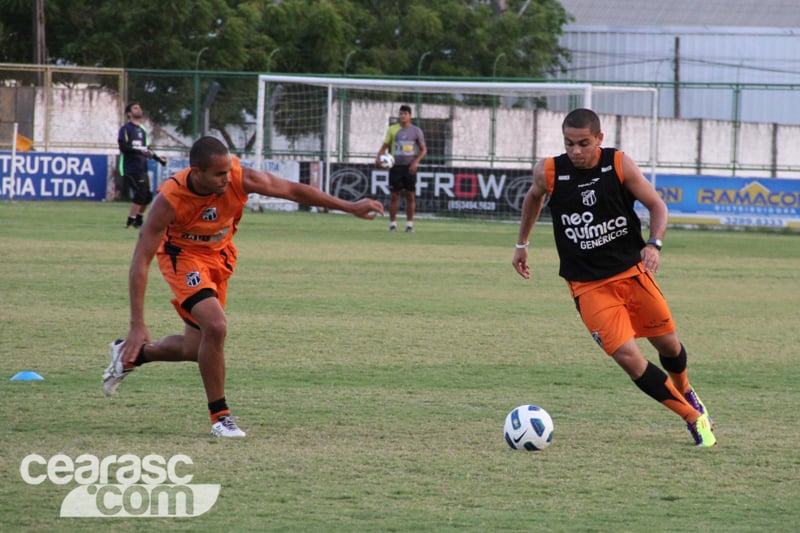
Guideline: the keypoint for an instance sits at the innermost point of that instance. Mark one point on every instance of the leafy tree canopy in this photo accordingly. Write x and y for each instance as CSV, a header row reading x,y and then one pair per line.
x,y
381,37
406,38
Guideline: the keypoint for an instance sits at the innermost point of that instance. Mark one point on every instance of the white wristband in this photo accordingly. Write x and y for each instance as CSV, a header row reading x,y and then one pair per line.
x,y
521,246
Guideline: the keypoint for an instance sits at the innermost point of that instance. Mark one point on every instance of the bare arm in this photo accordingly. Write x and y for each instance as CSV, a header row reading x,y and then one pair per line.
x,y
270,185
644,191
423,151
531,209
161,214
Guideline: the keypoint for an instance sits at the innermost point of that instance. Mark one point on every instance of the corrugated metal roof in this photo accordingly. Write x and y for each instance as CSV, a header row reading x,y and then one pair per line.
x,y
741,13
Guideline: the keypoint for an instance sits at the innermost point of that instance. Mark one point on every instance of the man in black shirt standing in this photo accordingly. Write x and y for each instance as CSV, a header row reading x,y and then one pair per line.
x,y
134,149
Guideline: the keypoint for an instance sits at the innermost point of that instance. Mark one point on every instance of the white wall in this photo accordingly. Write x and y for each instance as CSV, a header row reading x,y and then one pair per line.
x,y
682,144
88,117
87,120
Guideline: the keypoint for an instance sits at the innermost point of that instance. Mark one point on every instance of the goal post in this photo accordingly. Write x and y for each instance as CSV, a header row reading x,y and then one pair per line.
x,y
475,131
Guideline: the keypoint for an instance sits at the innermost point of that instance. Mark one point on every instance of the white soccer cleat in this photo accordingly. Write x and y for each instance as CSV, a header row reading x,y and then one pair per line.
x,y
116,371
226,427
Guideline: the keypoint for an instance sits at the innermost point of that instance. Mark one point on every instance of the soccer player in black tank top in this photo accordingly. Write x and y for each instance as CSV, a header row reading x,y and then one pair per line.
x,y
608,265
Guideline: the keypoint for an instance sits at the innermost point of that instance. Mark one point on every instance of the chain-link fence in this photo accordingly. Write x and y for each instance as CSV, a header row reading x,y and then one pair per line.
x,y
72,109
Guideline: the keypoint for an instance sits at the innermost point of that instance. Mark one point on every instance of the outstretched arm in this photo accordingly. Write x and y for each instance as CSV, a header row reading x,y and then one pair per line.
x,y
268,184
531,209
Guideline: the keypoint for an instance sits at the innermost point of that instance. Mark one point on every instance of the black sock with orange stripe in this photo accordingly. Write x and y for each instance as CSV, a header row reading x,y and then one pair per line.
x,y
218,408
656,384
676,367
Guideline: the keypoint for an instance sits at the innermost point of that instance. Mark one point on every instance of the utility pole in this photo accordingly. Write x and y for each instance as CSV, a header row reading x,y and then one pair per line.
x,y
39,46
677,78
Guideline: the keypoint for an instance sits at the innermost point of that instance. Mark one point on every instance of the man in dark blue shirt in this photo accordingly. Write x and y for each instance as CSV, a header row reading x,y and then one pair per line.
x,y
134,149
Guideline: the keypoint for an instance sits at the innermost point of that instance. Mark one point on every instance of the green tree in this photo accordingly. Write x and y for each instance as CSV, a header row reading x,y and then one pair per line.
x,y
456,38
383,37
16,31
159,42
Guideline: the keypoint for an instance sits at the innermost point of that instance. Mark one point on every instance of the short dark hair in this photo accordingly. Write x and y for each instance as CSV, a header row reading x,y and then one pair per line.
x,y
406,108
130,106
582,118
204,149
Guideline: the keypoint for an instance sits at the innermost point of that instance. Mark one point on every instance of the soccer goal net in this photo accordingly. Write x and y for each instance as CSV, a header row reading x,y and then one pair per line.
x,y
482,137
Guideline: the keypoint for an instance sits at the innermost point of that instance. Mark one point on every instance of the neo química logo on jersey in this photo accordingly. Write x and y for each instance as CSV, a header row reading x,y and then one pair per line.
x,y
122,486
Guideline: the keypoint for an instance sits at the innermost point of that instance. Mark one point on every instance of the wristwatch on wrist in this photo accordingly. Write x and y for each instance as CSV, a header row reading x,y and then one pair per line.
x,y
656,242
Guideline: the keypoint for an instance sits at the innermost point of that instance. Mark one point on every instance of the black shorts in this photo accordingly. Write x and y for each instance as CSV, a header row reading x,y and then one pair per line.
x,y
140,187
401,180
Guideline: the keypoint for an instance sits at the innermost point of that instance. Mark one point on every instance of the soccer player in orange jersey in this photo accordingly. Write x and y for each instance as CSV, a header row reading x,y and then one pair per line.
x,y
190,230
607,263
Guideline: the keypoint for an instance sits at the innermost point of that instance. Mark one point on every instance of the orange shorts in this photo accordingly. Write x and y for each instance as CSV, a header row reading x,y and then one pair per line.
x,y
627,305
190,274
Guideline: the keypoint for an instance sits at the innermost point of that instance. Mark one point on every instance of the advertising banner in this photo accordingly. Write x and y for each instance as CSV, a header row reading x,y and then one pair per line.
x,y
51,176
441,190
711,200
757,202
692,199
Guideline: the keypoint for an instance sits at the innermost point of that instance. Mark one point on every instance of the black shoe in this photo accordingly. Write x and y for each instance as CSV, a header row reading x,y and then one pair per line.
x,y
131,222
138,222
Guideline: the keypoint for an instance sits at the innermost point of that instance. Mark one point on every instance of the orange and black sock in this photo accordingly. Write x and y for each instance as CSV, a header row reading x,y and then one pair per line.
x,y
656,384
676,367
218,408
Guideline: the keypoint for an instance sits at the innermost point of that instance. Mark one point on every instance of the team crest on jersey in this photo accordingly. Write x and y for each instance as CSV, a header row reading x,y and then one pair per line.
x,y
589,198
597,339
210,214
193,279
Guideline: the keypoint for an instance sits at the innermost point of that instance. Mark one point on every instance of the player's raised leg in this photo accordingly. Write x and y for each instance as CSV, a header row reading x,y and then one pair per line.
x,y
169,348
655,383
673,358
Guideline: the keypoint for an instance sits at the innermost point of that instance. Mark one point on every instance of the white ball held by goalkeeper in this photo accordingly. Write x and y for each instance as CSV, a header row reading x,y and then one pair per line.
x,y
387,161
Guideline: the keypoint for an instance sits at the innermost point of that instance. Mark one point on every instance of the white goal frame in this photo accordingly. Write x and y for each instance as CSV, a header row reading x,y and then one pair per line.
x,y
519,89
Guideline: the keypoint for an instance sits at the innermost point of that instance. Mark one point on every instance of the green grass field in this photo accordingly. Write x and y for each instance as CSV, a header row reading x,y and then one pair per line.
x,y
373,371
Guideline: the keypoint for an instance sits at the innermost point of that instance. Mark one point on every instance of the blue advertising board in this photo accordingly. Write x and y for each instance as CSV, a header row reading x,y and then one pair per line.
x,y
730,201
52,176
692,199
